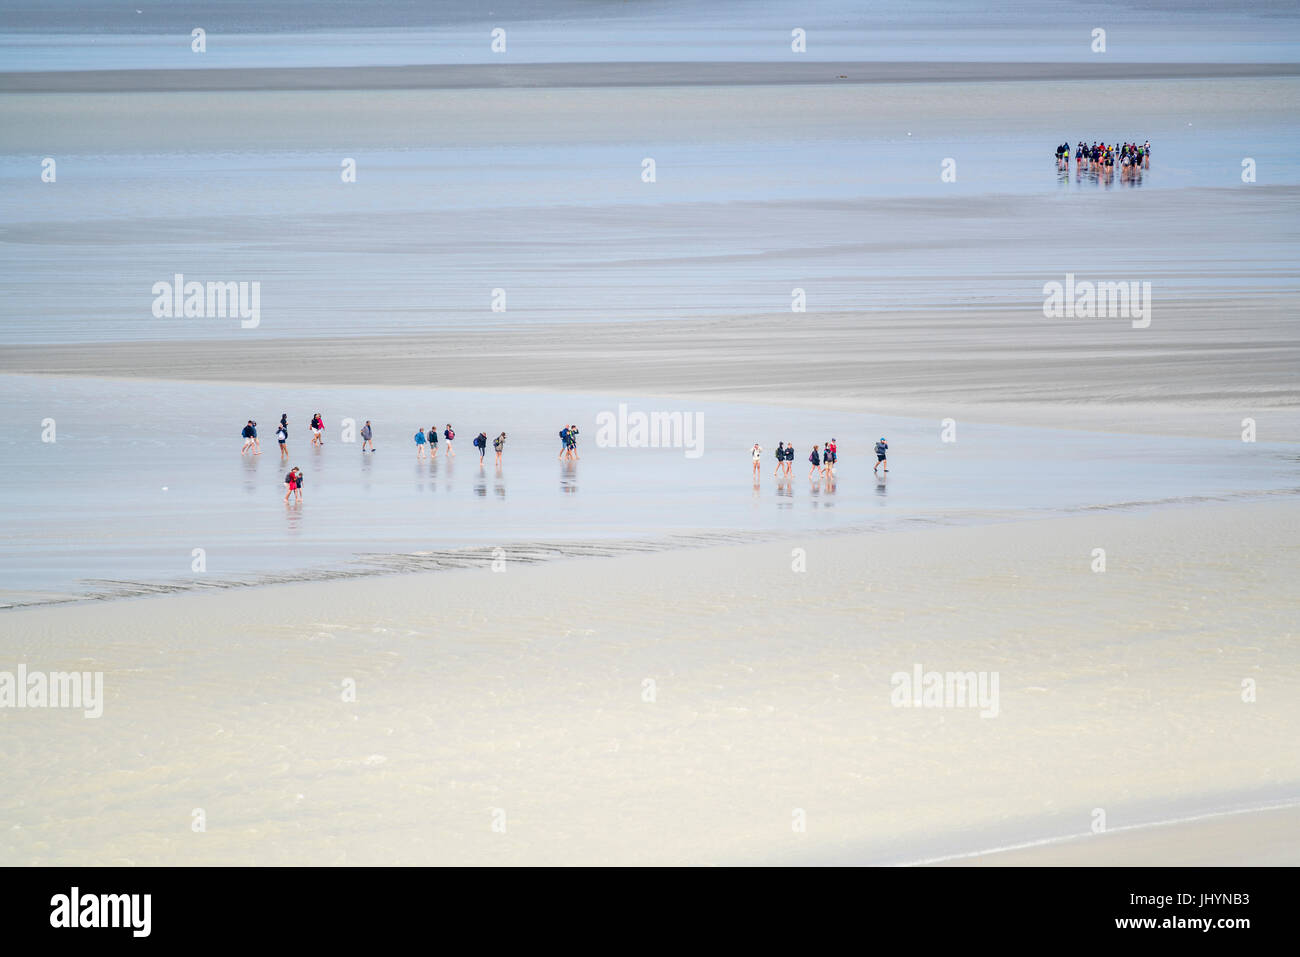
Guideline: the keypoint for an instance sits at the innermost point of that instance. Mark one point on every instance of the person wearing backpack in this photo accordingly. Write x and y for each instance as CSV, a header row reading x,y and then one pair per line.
x,y
480,443
448,434
816,461
499,444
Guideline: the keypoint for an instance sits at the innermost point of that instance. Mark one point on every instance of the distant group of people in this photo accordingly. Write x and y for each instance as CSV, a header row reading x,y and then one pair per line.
x,y
1104,157
293,480
822,459
429,440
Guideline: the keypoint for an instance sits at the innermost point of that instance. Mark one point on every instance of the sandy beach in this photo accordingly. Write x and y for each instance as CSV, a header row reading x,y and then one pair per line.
x,y
771,691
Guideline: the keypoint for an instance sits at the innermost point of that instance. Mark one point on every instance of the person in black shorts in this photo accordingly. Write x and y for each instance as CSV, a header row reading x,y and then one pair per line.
x,y
882,449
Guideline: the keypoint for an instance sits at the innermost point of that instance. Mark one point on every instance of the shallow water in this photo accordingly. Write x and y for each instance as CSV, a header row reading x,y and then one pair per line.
x,y
142,473
758,192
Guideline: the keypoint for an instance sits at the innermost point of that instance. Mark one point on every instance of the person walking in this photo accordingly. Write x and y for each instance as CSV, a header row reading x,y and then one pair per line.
x,y
367,437
448,433
420,443
499,445
882,450
756,453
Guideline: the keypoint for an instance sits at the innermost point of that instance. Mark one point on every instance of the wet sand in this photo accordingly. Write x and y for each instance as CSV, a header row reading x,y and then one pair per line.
x,y
1192,373
576,75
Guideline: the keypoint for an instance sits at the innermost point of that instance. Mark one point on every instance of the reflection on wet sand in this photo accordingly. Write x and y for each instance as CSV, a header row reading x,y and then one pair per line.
x,y
569,478
250,475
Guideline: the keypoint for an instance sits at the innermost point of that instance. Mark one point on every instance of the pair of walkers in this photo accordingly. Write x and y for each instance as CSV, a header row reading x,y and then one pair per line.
x,y
569,443
293,485
784,459
498,444
249,434
429,440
